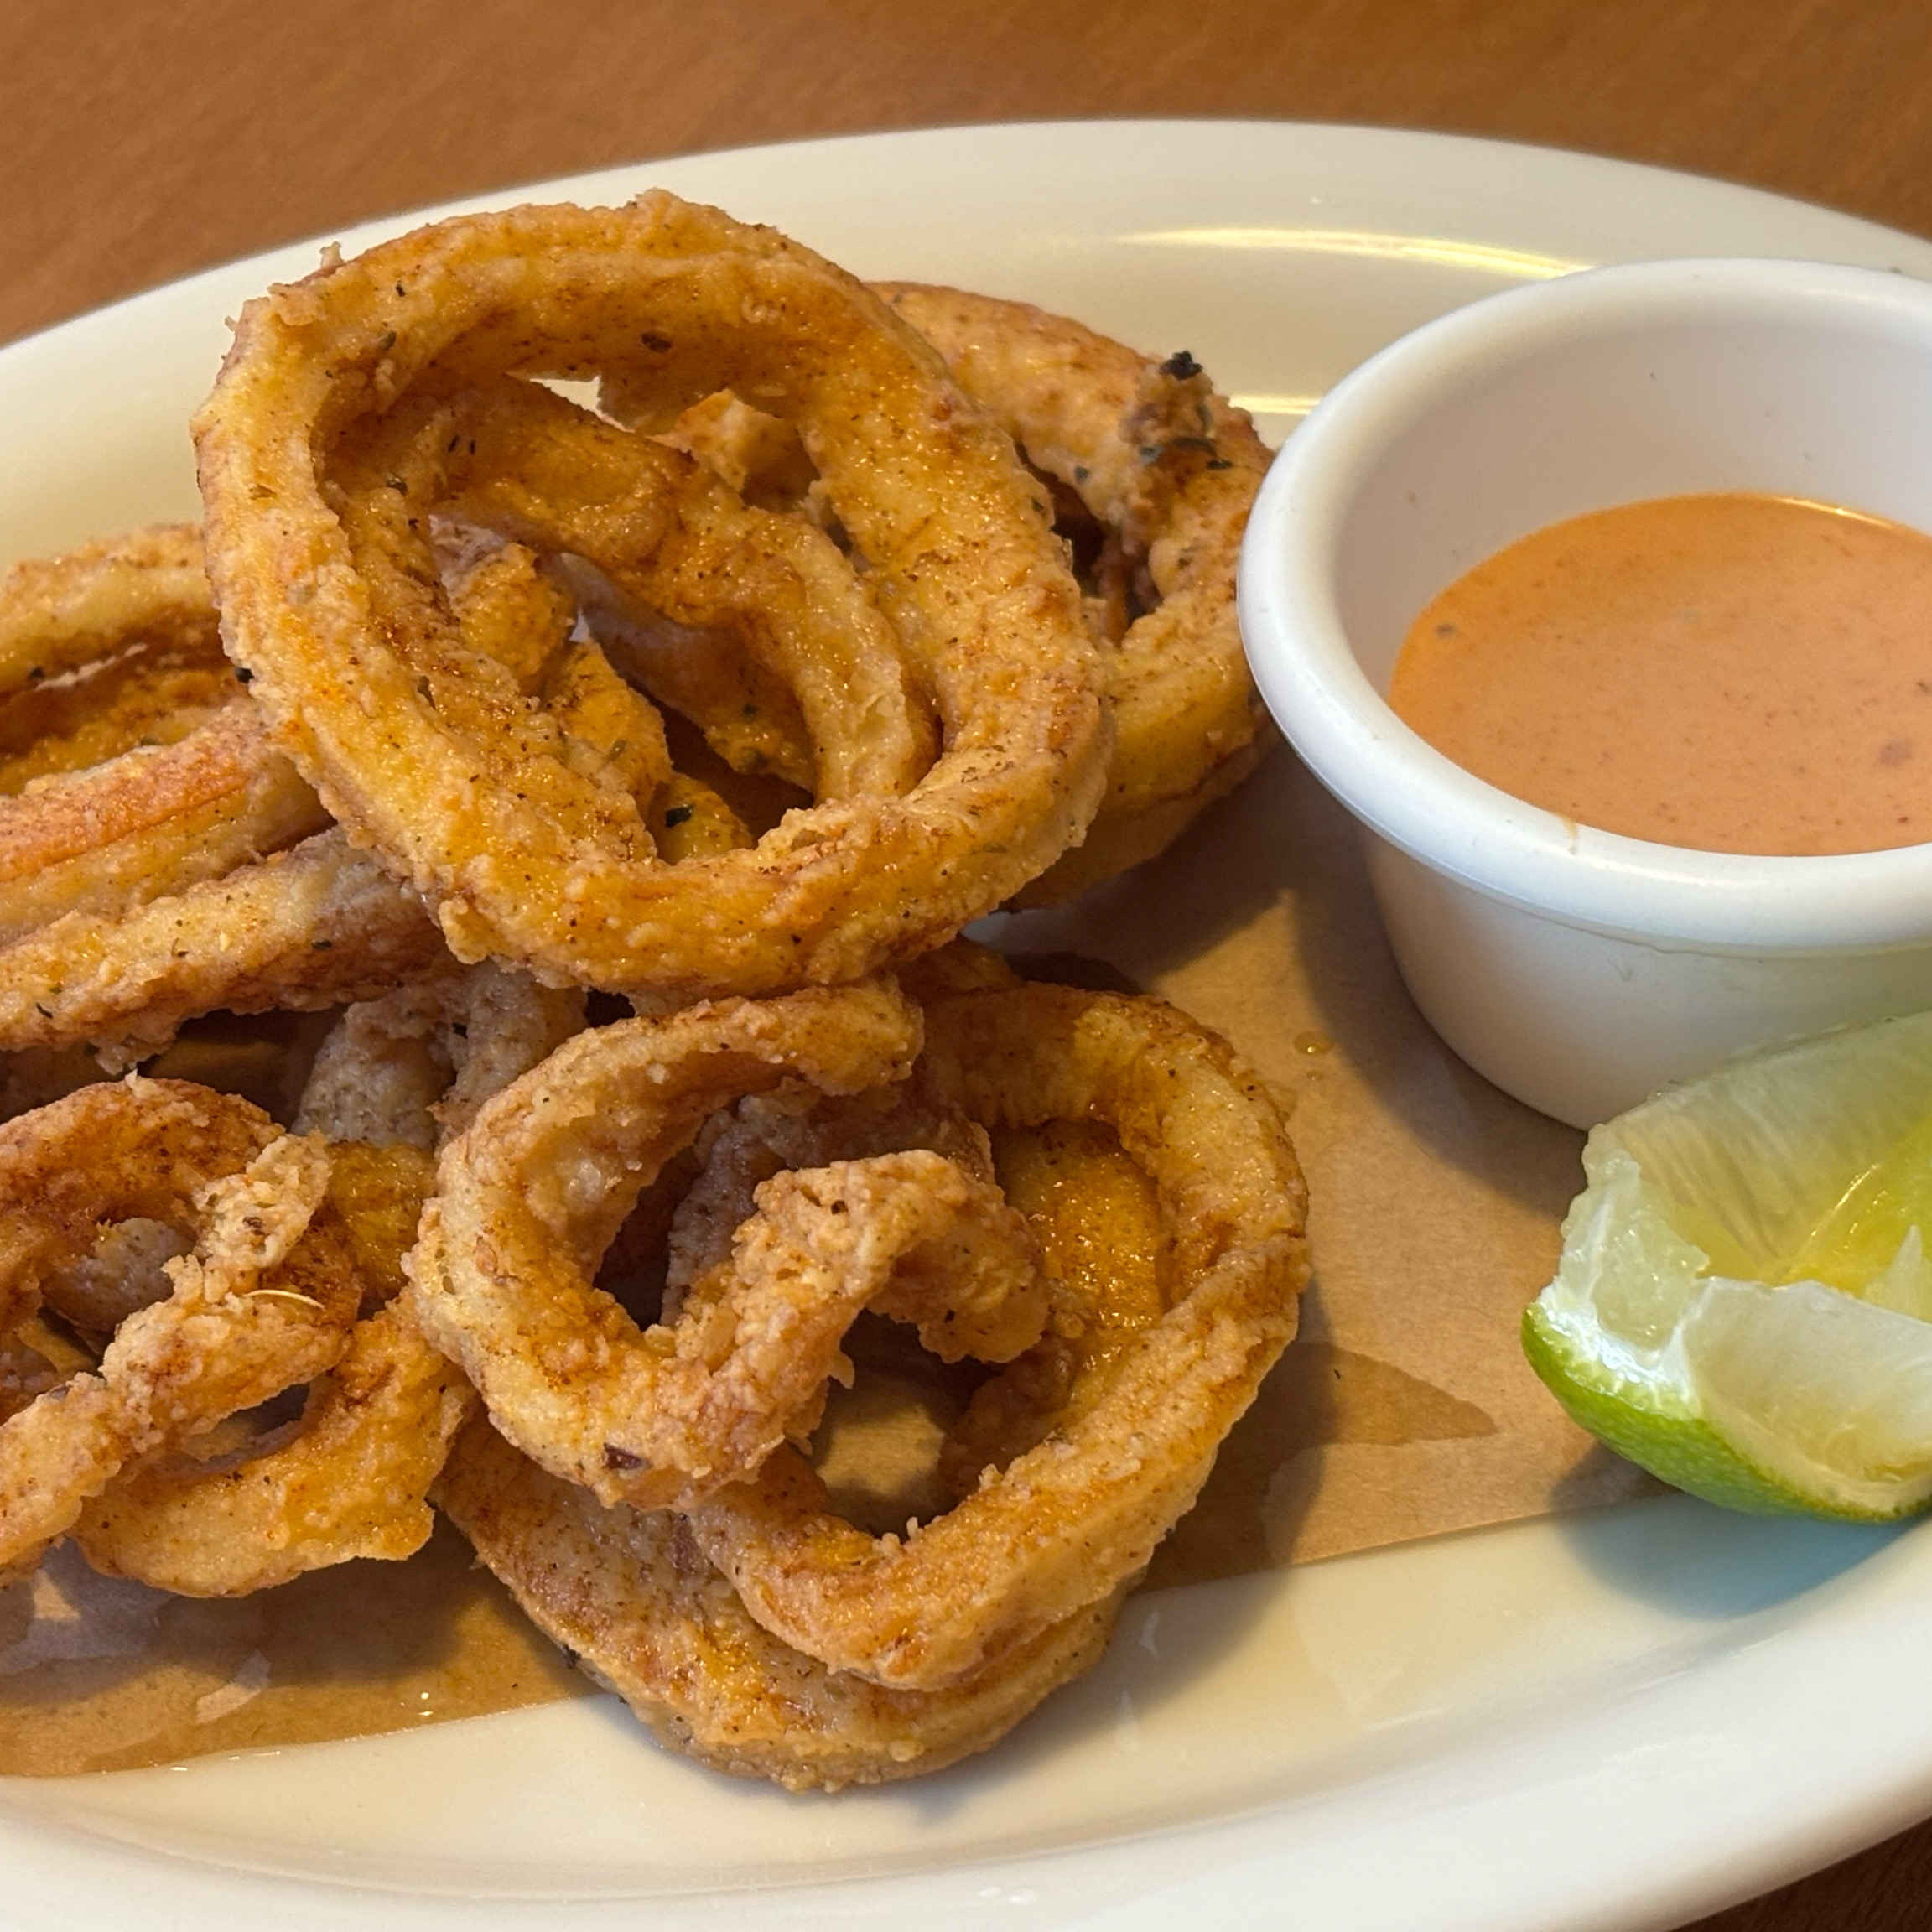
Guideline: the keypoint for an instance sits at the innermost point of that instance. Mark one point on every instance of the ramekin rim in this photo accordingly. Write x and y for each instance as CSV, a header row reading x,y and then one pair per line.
x,y
1442,815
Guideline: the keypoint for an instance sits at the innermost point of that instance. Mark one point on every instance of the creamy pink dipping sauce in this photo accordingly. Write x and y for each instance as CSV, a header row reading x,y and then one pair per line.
x,y
1734,673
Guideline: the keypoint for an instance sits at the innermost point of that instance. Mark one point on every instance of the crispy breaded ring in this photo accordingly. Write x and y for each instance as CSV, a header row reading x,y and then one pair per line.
x,y
61,614
151,818
149,823
529,1199
628,1593
144,695
1167,470
1066,1523
763,1135
669,303
714,677
1170,468
745,1362
349,1478
304,929
655,526
263,1299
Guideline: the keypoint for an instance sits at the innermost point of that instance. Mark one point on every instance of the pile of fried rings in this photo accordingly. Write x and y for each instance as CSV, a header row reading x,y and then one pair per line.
x,y
611,777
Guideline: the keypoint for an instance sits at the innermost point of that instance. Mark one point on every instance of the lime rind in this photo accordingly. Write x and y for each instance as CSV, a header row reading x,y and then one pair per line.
x,y
1681,1450
1674,1330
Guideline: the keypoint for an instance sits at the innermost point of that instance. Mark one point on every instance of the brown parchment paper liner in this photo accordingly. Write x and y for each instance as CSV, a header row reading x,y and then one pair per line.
x,y
1405,1407
1404,1410
98,1675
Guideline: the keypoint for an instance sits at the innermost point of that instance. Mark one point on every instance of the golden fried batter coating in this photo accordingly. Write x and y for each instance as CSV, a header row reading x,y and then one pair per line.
x,y
1066,1522
531,1197
1169,469
669,304
304,930
629,1595
263,1299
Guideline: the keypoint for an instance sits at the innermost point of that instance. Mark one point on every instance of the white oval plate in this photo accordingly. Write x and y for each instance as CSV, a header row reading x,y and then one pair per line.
x,y
1604,1724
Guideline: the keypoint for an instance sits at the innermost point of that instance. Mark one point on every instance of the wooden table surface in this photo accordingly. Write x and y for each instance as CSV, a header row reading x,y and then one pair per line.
x,y
140,140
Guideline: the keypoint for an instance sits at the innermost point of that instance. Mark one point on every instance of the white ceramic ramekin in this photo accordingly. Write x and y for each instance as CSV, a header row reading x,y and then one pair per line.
x,y
1578,969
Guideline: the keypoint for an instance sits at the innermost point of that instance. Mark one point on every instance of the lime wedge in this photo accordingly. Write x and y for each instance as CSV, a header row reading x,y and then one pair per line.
x,y
1744,1300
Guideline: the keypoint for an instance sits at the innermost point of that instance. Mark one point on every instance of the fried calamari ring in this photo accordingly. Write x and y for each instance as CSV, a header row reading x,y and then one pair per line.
x,y
347,1479
118,1152
745,1362
149,823
150,818
1163,470
351,1476
628,1593
304,929
143,695
1169,468
531,1197
766,1135
61,614
669,304
263,1299
656,526
1066,1523
236,1511
129,900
